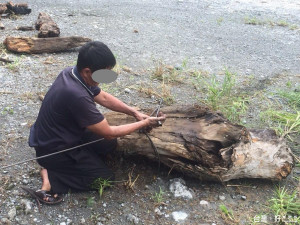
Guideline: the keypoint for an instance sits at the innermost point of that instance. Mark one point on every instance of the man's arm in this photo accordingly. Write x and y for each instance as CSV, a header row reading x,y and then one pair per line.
x,y
107,100
105,130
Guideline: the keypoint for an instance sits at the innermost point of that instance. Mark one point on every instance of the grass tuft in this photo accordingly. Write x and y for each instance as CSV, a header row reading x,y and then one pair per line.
x,y
100,184
285,205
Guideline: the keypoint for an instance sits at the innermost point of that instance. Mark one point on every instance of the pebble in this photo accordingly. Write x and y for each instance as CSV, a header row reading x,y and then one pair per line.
x,y
99,223
5,221
178,188
222,198
158,212
203,202
132,218
127,90
82,220
63,223
243,197
12,213
179,215
27,206
104,204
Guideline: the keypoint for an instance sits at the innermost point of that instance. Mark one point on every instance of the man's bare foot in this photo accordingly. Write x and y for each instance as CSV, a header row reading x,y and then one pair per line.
x,y
46,186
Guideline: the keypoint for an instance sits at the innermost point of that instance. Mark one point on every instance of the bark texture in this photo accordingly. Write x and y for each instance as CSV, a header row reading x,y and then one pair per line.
x,y
46,26
205,145
43,45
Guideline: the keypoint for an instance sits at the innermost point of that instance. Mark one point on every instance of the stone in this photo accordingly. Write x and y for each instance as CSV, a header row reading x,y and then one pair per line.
x,y
5,221
203,202
12,213
82,221
243,197
179,215
132,219
63,223
27,206
178,188
222,198
127,90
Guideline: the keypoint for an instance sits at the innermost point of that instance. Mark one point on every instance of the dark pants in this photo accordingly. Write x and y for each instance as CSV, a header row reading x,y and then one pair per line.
x,y
75,170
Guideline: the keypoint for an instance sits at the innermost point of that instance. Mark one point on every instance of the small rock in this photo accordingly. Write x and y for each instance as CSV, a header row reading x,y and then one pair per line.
x,y
5,221
25,181
169,67
203,202
41,97
127,90
63,223
243,197
69,221
135,31
133,219
178,188
82,221
179,215
222,198
178,67
27,206
127,69
76,202
35,219
99,223
12,213
158,212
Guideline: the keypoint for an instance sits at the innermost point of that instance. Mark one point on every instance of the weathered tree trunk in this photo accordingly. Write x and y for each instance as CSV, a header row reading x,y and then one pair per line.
x,y
205,145
43,45
46,26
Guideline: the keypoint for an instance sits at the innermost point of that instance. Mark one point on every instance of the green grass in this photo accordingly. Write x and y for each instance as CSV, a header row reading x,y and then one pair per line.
x,y
285,205
100,184
222,96
227,212
158,197
293,98
283,122
272,23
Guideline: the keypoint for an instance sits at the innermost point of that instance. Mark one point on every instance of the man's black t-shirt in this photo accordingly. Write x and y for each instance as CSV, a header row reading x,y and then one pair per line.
x,y
67,109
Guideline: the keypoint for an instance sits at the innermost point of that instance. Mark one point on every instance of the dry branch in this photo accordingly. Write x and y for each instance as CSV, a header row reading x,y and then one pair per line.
x,y
205,145
43,45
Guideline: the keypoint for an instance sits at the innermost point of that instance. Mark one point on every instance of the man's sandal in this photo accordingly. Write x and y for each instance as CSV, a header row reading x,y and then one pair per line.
x,y
43,196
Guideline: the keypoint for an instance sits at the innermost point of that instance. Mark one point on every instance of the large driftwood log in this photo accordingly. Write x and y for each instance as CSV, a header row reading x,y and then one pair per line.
x,y
46,26
43,45
205,145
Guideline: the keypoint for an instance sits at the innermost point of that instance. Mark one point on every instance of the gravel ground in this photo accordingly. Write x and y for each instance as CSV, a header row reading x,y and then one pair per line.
x,y
205,35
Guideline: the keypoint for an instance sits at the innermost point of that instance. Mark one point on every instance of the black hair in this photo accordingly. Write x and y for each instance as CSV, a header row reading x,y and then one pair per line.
x,y
95,55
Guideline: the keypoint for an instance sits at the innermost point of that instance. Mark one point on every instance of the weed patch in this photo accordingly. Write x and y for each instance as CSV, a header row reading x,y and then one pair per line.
x,y
100,184
285,206
221,95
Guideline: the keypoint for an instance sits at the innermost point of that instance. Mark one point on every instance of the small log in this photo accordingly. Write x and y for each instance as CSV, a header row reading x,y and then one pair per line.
x,y
43,45
205,145
46,26
25,28
18,8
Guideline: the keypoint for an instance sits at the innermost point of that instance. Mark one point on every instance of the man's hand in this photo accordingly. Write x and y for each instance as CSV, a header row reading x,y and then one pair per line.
x,y
153,121
140,116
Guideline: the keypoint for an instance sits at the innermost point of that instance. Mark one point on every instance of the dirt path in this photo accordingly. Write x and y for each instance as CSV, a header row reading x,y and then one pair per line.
x,y
258,39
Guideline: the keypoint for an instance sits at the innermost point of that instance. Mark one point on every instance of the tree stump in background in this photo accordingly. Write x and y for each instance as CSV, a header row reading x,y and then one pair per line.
x,y
46,26
205,145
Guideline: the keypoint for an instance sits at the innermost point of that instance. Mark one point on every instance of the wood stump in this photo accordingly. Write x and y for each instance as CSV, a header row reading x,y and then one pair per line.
x,y
46,26
205,145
